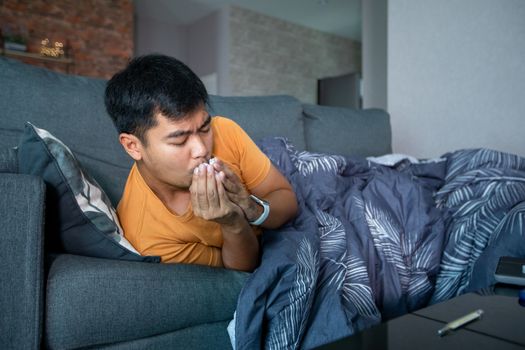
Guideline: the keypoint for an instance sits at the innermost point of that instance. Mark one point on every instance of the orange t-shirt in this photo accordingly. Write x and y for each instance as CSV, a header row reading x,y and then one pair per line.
x,y
154,230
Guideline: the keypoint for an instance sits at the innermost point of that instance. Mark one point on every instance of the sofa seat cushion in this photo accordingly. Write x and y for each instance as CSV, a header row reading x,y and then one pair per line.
x,y
204,336
80,218
96,301
349,132
263,116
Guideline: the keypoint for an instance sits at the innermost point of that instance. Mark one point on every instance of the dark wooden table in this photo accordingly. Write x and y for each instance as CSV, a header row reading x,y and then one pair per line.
x,y
502,326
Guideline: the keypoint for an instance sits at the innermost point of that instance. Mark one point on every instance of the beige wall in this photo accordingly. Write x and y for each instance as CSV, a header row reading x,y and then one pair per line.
x,y
271,56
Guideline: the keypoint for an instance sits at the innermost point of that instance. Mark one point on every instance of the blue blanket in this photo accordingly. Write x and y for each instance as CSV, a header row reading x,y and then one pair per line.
x,y
372,242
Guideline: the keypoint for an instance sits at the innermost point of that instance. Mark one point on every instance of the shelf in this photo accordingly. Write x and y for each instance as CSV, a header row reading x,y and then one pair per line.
x,y
36,56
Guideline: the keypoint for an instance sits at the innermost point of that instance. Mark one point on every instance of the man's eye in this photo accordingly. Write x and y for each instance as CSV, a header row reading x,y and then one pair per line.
x,y
205,130
178,144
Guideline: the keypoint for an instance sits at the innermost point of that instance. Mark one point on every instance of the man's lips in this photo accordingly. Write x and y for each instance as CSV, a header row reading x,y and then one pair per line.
x,y
207,161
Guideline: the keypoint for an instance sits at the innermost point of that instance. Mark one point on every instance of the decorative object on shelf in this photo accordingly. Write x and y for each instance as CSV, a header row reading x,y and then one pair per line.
x,y
15,40
56,51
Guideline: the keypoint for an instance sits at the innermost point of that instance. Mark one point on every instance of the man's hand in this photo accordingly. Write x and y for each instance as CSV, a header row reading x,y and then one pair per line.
x,y
236,191
209,198
240,249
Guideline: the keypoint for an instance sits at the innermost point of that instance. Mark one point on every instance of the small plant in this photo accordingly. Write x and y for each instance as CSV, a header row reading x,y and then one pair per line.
x,y
14,39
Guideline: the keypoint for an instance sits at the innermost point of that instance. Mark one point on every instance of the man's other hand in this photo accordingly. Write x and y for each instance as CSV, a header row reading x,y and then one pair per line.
x,y
209,198
240,249
236,191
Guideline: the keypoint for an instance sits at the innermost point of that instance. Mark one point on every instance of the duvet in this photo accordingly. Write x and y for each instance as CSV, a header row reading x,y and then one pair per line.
x,y
376,238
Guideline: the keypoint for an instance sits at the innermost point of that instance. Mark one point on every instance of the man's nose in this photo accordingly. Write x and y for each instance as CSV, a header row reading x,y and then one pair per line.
x,y
198,147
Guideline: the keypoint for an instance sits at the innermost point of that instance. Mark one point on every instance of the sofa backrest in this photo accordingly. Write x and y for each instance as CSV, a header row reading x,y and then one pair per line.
x,y
263,116
345,131
72,109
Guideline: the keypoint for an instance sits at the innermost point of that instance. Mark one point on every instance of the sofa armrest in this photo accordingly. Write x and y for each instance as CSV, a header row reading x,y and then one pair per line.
x,y
21,253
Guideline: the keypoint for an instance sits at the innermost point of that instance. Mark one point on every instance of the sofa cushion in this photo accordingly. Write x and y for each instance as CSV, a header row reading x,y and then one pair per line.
x,y
348,132
71,108
204,336
8,160
263,116
87,224
134,300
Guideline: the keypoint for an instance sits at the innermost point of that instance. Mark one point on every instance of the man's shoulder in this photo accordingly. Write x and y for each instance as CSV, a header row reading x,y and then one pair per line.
x,y
224,122
136,193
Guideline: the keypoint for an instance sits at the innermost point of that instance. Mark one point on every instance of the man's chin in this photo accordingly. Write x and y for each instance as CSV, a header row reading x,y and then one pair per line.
x,y
183,186
187,184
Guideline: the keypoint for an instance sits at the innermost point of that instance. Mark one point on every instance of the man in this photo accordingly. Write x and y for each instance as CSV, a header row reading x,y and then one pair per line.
x,y
175,204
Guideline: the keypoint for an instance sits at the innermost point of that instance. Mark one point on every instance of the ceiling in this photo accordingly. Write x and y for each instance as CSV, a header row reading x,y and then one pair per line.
x,y
340,17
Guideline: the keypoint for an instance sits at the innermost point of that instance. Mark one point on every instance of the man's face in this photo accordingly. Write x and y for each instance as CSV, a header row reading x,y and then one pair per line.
x,y
174,148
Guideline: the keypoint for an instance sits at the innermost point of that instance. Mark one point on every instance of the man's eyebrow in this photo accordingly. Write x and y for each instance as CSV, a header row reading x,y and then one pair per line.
x,y
206,122
180,133
177,133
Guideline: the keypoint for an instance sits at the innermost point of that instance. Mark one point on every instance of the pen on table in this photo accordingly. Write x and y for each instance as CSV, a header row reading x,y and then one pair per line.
x,y
474,315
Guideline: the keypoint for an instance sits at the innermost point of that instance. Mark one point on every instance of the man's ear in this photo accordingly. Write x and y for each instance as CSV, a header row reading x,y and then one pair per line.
x,y
132,145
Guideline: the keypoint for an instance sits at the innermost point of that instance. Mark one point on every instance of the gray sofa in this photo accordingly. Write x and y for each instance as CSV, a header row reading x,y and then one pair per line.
x,y
64,301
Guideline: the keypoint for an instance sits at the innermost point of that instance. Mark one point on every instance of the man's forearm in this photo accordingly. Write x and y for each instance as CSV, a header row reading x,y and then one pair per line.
x,y
283,207
240,249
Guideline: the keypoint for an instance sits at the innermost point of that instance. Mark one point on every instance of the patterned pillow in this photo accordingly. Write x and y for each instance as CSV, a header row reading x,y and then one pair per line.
x,y
79,216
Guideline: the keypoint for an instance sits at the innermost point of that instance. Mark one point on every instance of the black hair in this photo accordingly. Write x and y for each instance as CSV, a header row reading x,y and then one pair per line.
x,y
149,85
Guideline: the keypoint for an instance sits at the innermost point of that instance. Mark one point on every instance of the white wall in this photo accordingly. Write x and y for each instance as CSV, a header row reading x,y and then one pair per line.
x,y
456,75
203,50
160,37
224,44
374,47
202,44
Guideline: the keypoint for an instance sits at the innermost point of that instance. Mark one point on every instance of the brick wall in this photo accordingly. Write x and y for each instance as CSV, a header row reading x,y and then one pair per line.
x,y
98,33
272,56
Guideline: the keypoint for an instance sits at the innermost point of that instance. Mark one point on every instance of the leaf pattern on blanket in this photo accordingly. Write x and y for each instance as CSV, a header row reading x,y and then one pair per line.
x,y
300,296
372,242
351,276
482,185
411,259
310,163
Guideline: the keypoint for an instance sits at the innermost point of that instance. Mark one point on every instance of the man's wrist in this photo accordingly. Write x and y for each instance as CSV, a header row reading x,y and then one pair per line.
x,y
252,209
266,211
238,225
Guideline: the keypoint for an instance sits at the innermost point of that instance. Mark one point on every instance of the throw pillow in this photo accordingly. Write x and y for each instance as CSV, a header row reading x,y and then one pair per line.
x,y
79,216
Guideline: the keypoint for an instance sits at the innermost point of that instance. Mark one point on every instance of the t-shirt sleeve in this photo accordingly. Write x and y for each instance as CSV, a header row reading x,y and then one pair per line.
x,y
253,164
